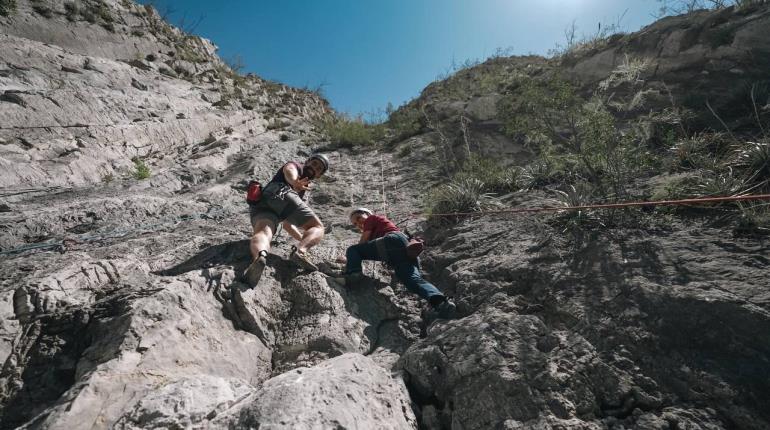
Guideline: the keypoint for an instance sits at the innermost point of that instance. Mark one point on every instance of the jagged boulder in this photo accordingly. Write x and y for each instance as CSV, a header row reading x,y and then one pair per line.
x,y
349,391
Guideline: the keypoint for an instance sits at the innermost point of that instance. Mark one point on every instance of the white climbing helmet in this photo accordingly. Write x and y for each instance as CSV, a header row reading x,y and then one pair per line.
x,y
360,211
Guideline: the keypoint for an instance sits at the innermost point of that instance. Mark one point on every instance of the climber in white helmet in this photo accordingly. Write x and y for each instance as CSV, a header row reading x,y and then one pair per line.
x,y
382,240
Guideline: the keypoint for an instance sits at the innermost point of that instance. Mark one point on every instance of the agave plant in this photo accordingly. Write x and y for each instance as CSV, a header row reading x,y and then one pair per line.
x,y
754,159
573,196
719,185
753,219
537,174
462,195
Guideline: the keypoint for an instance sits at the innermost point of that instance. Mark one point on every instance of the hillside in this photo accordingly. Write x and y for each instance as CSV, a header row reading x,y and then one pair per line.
x,y
126,145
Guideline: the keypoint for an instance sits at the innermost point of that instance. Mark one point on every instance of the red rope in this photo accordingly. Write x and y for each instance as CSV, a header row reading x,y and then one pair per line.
x,y
602,206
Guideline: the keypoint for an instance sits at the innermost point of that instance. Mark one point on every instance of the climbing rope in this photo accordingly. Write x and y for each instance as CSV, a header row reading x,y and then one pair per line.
x,y
651,203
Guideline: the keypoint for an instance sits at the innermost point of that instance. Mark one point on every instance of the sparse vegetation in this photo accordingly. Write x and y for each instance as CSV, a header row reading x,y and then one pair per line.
x,y
345,131
277,124
141,170
42,9
753,219
71,11
575,138
580,194
235,63
754,161
92,11
462,195
403,123
676,7
494,177
575,45
7,7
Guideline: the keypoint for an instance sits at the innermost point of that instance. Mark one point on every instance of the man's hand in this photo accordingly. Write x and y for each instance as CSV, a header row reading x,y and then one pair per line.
x,y
302,184
342,259
291,174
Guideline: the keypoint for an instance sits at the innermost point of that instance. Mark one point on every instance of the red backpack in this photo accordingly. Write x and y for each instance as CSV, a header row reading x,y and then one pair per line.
x,y
414,246
254,192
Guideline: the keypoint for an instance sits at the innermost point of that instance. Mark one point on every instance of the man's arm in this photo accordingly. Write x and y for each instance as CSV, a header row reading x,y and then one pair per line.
x,y
365,236
291,173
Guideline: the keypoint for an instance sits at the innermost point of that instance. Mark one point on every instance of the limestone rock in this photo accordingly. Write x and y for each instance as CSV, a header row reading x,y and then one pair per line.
x,y
349,391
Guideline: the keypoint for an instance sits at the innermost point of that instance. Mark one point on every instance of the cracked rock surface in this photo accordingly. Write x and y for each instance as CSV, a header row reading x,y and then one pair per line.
x,y
111,306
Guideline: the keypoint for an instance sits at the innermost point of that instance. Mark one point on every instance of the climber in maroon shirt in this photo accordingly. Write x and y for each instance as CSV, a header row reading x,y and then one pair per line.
x,y
381,240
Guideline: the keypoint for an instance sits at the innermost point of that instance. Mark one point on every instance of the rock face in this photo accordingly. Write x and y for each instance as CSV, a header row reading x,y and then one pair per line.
x,y
349,391
126,146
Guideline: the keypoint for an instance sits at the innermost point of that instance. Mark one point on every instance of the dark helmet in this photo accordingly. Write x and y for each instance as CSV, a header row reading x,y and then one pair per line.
x,y
323,159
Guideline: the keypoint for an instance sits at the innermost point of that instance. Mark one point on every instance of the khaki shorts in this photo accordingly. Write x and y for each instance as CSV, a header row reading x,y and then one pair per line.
x,y
281,203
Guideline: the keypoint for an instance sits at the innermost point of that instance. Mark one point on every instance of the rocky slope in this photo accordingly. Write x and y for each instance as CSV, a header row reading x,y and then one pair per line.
x,y
109,314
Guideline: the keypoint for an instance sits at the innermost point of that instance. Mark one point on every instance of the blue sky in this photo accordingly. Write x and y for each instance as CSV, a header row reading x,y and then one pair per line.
x,y
367,53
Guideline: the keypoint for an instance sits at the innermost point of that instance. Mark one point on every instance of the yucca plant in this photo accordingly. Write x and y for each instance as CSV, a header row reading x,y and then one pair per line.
x,y
753,219
719,185
496,177
580,195
754,160
537,174
462,195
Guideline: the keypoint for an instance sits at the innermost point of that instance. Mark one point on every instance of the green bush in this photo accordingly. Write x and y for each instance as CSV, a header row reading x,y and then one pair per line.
x,y
404,122
573,196
346,131
753,219
141,170
582,135
7,7
539,174
43,10
700,151
71,10
494,177
754,161
103,11
462,195
405,151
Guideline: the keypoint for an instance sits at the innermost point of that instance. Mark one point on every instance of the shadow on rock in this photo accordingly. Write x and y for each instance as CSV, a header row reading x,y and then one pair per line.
x,y
235,254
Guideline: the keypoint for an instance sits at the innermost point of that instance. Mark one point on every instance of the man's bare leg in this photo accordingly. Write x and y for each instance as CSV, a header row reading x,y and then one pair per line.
x,y
260,239
313,232
260,244
293,231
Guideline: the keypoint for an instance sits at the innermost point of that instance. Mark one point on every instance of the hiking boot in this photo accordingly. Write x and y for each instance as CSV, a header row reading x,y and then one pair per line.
x,y
446,309
253,273
301,260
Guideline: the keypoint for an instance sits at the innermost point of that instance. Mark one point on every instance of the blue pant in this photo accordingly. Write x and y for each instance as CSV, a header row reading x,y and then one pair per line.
x,y
407,270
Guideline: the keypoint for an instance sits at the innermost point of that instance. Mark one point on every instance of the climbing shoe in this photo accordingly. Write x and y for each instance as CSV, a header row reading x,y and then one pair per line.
x,y
301,260
348,280
446,309
253,273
